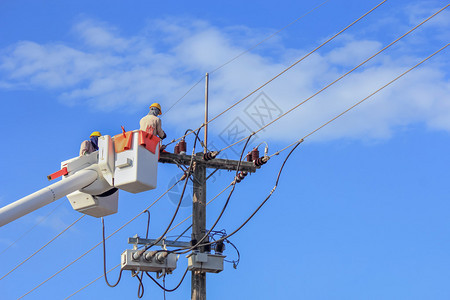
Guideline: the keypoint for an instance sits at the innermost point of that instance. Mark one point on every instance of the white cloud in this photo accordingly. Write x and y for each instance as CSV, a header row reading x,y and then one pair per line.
x,y
101,36
110,71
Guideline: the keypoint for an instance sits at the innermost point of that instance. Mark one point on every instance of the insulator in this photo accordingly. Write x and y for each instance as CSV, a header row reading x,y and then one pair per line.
x,y
220,247
161,256
255,154
176,150
207,248
137,255
262,160
237,179
210,155
148,256
242,175
182,146
249,156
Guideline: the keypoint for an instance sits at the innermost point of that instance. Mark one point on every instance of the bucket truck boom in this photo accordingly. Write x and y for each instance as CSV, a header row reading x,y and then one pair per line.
x,y
127,161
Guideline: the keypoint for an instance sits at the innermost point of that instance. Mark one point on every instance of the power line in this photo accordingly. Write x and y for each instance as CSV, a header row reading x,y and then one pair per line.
x,y
165,289
188,172
167,232
206,205
48,243
339,78
297,143
358,103
269,37
117,230
76,292
33,227
244,52
197,243
104,259
262,203
284,71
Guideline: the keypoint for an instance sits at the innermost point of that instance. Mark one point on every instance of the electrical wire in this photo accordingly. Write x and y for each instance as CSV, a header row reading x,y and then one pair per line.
x,y
297,143
339,78
234,262
185,94
179,202
191,214
148,223
286,69
269,37
33,227
85,253
165,289
48,243
262,203
197,243
141,286
104,260
244,52
361,101
269,194
85,286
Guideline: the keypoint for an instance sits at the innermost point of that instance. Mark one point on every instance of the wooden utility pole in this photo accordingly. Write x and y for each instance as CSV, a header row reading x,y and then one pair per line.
x,y
198,279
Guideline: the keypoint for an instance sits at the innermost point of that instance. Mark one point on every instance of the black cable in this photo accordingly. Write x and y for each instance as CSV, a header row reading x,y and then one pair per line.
x,y
141,286
262,203
148,223
165,289
223,209
179,202
104,259
234,262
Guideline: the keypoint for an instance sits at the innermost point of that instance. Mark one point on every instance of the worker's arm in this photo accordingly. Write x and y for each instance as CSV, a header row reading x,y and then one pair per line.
x,y
159,130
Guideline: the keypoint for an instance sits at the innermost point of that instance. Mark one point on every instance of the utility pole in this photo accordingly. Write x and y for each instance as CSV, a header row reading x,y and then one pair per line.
x,y
198,279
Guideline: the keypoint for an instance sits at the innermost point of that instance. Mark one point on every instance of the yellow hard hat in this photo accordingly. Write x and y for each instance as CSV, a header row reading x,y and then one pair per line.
x,y
95,133
157,106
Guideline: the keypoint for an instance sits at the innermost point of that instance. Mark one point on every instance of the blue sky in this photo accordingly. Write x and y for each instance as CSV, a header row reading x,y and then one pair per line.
x,y
361,211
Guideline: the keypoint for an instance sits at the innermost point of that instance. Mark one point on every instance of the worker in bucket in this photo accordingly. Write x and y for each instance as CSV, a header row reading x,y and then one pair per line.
x,y
90,145
151,123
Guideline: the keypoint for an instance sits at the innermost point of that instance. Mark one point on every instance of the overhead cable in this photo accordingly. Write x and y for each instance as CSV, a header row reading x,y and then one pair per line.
x,y
33,227
244,52
262,203
79,290
340,77
98,244
197,243
179,202
358,103
284,71
297,143
40,249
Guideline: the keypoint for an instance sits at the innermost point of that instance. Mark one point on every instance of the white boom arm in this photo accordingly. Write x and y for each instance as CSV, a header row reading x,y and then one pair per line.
x,y
90,182
46,196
